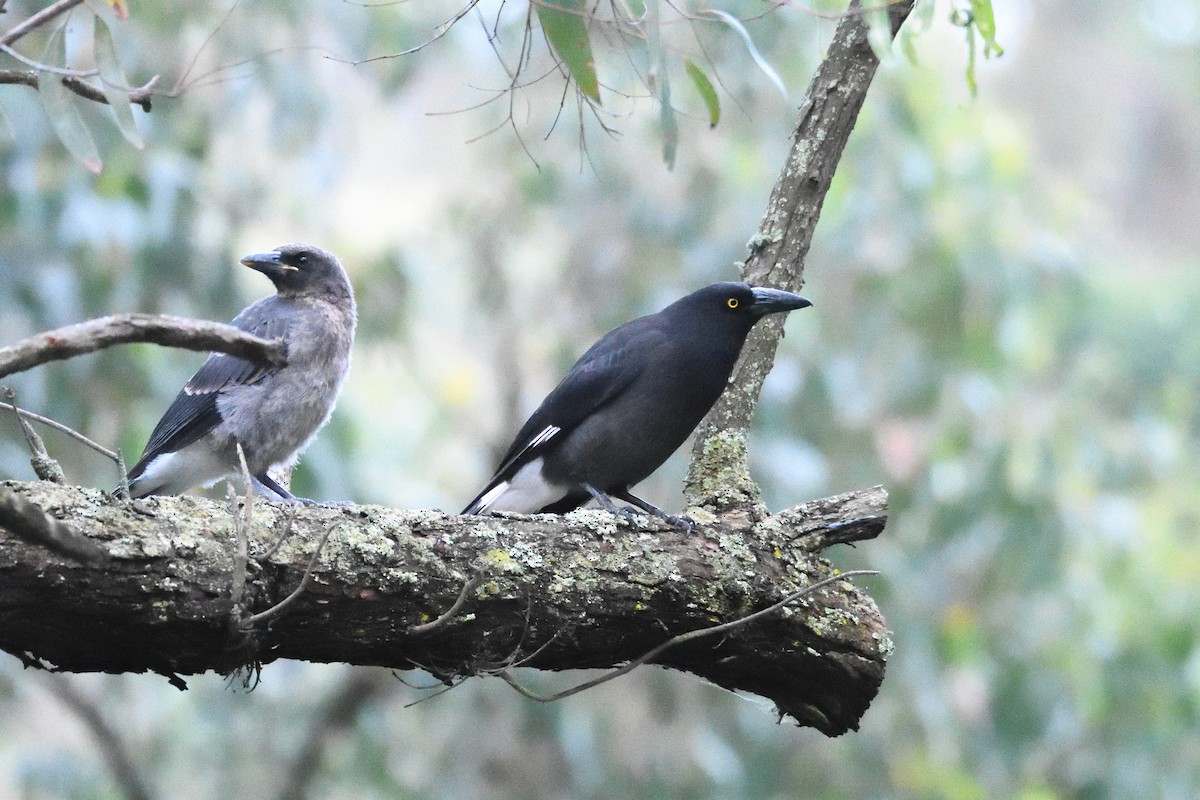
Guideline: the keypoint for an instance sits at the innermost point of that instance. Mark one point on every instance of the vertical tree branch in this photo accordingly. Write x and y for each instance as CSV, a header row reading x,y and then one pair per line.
x,y
719,474
108,738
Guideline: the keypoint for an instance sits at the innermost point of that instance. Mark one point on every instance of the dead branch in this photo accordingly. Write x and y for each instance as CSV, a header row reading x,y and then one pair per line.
x,y
97,334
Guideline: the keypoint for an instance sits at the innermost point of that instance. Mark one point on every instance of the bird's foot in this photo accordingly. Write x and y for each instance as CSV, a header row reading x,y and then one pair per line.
x,y
265,485
685,523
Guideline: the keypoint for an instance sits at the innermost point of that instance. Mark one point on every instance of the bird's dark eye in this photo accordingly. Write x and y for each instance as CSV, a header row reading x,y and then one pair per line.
x,y
733,302
301,260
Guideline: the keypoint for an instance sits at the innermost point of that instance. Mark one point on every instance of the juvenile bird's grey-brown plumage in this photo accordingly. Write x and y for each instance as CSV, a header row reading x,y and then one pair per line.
x,y
272,412
629,403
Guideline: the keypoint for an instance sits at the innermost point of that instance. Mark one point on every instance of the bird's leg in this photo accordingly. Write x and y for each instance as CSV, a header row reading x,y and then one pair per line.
x,y
607,504
684,523
266,485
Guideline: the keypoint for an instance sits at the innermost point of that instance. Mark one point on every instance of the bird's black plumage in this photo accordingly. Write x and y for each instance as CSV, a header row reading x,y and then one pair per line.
x,y
628,403
271,412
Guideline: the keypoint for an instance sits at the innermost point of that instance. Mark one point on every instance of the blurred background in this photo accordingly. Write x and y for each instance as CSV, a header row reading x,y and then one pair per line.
x,y
1004,335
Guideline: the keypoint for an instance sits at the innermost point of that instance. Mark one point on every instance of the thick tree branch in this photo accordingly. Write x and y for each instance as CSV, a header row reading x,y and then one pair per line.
x,y
575,592
97,334
718,476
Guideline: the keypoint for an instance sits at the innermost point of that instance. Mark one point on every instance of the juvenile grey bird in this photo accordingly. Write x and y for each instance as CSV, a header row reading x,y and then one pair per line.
x,y
628,403
272,412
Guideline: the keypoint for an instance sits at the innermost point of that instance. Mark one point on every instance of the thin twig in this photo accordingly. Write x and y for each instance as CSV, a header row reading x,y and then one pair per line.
x,y
97,334
468,587
139,95
287,531
45,467
48,68
443,690
241,528
40,18
680,639
442,29
58,426
274,610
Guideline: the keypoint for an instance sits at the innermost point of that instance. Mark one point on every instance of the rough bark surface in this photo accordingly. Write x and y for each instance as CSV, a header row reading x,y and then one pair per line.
x,y
586,590
719,475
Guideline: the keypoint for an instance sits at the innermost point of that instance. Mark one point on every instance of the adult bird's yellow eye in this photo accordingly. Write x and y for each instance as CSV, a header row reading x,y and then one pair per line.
x,y
732,302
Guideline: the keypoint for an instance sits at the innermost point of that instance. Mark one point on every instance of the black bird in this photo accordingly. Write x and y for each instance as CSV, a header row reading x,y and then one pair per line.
x,y
272,412
628,403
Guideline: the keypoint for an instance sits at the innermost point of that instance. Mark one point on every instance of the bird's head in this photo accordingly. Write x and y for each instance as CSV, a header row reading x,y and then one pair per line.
x,y
744,303
301,269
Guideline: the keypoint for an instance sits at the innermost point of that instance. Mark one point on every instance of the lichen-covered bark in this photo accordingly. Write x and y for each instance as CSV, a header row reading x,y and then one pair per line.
x,y
582,591
777,252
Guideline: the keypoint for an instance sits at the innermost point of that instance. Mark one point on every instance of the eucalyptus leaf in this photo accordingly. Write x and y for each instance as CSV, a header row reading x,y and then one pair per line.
x,y
565,25
659,79
59,103
109,10
706,90
115,85
985,23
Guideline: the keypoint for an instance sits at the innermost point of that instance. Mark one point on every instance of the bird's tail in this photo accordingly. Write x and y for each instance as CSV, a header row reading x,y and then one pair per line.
x,y
484,500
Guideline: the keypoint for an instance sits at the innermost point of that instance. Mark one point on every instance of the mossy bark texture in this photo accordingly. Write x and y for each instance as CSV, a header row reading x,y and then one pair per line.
x,y
778,249
587,590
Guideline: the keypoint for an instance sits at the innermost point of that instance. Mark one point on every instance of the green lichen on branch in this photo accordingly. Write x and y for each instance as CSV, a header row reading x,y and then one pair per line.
x,y
719,476
583,590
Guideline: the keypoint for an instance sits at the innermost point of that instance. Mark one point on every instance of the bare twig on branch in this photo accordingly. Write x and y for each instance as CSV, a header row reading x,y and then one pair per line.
x,y
97,334
283,535
27,521
675,641
718,474
58,426
278,608
35,21
468,587
139,96
108,738
241,527
45,467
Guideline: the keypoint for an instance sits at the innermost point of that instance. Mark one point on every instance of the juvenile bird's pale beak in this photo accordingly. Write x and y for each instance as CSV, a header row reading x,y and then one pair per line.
x,y
268,263
771,301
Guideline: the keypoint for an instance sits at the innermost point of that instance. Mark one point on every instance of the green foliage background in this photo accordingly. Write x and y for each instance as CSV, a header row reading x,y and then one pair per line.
x,y
1003,334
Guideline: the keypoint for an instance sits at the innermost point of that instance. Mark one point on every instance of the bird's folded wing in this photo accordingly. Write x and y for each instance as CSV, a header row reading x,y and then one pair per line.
x,y
606,370
194,410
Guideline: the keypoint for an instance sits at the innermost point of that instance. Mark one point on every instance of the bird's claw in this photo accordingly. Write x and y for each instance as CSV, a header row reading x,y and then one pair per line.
x,y
686,524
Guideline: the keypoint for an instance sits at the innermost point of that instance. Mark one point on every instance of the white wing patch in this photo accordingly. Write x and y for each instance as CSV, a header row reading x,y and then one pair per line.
x,y
526,492
546,435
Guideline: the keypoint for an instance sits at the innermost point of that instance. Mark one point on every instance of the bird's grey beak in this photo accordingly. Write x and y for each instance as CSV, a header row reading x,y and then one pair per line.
x,y
268,263
772,301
